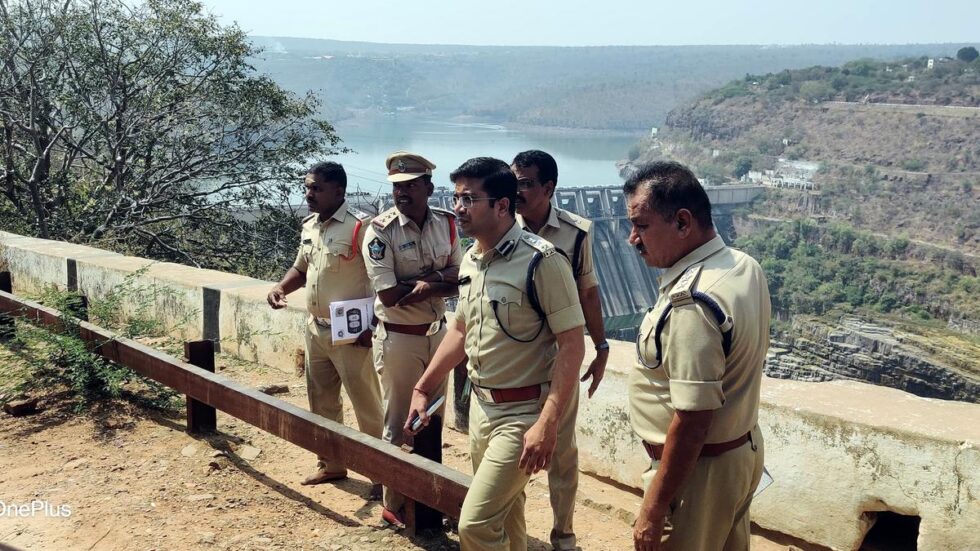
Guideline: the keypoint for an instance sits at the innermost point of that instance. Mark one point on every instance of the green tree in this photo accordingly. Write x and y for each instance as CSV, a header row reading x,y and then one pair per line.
x,y
142,126
742,166
967,54
816,90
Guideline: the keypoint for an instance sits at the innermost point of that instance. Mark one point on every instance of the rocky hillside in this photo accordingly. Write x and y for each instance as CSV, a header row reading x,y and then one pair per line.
x,y
897,144
872,213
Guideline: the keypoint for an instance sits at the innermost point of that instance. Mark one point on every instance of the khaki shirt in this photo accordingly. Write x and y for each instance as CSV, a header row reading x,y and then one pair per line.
x,y
331,259
695,375
562,229
395,250
499,276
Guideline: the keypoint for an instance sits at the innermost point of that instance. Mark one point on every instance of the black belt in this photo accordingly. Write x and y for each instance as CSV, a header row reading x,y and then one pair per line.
x,y
421,329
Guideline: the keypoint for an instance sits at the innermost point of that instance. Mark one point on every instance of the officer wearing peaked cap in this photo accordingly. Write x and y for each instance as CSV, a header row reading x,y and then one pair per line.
x,y
413,256
329,263
694,392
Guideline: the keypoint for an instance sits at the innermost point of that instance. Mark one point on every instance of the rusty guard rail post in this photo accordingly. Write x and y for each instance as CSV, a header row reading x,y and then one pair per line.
x,y
201,418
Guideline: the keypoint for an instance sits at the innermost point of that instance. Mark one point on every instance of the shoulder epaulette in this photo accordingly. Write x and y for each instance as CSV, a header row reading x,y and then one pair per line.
x,y
451,218
448,213
384,219
683,291
579,222
540,245
359,214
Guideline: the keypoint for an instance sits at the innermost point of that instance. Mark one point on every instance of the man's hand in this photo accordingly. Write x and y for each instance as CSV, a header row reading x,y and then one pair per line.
x,y
364,339
420,292
539,445
597,369
418,408
277,298
647,531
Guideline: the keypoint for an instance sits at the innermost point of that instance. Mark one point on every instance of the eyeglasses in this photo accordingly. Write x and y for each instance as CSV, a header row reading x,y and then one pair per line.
x,y
467,201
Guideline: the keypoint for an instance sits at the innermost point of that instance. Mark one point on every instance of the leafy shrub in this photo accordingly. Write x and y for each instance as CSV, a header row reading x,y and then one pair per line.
x,y
914,165
60,358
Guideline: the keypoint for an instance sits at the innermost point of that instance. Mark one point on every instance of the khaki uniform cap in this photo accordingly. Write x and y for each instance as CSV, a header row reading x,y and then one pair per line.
x,y
404,166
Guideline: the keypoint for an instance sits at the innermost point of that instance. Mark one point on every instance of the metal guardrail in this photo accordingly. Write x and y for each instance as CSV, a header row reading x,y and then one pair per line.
x,y
418,478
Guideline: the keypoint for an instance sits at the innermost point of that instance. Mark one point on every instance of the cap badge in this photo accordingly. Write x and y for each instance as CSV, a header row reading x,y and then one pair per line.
x,y
402,167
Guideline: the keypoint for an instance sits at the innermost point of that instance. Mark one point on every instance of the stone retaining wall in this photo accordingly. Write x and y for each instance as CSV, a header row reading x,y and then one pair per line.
x,y
838,451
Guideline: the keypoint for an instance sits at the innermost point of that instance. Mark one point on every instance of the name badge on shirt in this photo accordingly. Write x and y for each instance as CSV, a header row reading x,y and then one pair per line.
x,y
406,246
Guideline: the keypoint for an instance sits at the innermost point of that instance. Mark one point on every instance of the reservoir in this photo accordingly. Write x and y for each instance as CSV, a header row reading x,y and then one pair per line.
x,y
585,158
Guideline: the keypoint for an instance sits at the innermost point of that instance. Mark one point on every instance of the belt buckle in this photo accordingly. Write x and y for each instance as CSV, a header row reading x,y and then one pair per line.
x,y
483,393
434,328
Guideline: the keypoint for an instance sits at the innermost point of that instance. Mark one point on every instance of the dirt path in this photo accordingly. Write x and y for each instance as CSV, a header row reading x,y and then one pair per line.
x,y
134,480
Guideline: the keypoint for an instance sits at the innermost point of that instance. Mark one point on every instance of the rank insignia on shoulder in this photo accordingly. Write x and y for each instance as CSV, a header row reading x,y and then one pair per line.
x,y
376,249
385,218
683,291
544,247
575,220
359,214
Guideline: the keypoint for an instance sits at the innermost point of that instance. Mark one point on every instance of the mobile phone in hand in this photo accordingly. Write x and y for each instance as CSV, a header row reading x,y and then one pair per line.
x,y
417,421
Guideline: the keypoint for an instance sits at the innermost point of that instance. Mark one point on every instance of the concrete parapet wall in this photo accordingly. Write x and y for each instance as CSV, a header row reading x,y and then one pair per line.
x,y
191,303
841,451
838,451
253,331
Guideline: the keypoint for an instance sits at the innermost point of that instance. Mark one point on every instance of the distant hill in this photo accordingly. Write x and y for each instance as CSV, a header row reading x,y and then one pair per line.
x,y
873,170
620,88
898,143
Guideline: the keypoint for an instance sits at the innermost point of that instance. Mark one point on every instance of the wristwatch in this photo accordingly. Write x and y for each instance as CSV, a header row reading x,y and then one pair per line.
x,y
604,345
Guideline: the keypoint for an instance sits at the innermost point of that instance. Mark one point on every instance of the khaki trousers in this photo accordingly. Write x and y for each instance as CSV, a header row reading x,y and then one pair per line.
x,y
711,511
327,368
563,477
492,517
401,360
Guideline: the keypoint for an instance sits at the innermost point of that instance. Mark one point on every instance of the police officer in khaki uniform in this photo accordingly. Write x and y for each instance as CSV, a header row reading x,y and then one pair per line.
x,y
694,392
413,255
523,360
330,264
537,176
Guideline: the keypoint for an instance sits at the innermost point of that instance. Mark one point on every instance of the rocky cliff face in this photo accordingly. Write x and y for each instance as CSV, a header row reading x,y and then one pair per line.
x,y
862,351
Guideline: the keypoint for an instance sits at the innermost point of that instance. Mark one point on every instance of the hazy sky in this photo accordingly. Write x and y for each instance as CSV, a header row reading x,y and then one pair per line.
x,y
601,22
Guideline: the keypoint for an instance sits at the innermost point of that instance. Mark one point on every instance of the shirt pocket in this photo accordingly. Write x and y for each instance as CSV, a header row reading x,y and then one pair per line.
x,y
506,303
306,252
335,253
646,347
442,252
408,261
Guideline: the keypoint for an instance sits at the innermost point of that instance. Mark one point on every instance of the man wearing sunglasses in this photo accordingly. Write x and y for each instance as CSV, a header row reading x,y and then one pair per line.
x,y
694,392
412,255
537,176
523,360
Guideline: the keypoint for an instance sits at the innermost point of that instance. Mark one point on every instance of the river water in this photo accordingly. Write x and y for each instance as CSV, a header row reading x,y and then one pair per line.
x,y
584,158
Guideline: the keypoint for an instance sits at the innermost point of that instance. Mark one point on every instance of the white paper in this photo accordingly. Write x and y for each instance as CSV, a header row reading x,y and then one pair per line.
x,y
764,482
350,318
